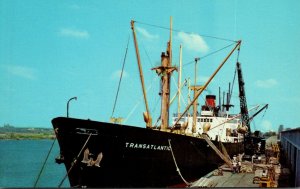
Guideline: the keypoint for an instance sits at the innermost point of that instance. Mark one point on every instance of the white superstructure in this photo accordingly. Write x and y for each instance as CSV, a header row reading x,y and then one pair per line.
x,y
218,125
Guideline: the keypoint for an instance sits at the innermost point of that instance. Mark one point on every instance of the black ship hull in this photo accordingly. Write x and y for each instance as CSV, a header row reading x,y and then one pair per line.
x,y
133,156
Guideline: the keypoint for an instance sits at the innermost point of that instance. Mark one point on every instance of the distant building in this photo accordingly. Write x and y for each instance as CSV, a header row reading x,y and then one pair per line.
x,y
290,142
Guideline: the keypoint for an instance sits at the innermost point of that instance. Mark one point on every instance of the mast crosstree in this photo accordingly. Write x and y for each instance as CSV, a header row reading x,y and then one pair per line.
x,y
165,71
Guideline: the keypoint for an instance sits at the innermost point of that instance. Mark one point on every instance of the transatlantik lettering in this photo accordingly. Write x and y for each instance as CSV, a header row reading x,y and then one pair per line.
x,y
146,146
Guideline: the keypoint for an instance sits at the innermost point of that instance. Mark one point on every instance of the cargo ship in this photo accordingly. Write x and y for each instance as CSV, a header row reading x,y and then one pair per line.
x,y
105,154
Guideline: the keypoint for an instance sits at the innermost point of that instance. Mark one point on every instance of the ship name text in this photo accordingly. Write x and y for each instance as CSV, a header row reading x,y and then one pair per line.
x,y
146,146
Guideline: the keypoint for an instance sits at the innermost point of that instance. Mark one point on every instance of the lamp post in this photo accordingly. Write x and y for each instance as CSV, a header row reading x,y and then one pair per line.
x,y
68,104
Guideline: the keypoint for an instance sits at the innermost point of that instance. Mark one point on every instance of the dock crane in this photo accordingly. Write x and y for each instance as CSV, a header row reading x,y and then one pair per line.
x,y
250,141
243,101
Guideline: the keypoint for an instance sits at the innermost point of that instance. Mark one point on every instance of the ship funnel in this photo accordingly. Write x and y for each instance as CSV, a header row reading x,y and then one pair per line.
x,y
211,101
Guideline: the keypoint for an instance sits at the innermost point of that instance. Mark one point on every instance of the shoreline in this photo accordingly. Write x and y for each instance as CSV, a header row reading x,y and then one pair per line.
x,y
26,136
8,132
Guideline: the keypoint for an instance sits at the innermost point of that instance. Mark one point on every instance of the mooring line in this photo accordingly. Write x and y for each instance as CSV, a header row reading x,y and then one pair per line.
x,y
177,168
40,173
74,162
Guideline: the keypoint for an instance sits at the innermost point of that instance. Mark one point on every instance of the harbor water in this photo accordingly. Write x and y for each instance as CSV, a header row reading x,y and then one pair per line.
x,y
22,160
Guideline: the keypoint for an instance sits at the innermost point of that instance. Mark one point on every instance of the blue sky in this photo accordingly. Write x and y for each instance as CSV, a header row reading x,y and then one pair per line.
x,y
51,51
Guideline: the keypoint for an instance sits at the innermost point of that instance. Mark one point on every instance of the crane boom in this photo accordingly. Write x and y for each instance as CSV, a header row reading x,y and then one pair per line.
x,y
243,101
265,106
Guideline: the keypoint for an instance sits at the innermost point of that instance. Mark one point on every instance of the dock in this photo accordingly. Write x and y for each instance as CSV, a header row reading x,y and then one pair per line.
x,y
262,170
290,146
228,179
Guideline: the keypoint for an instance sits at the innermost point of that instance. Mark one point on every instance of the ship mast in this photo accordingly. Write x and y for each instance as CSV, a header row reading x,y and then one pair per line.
x,y
147,116
206,84
195,88
165,70
179,79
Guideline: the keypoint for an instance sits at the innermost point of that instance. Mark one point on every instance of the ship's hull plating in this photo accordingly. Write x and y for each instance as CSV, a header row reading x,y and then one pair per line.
x,y
132,156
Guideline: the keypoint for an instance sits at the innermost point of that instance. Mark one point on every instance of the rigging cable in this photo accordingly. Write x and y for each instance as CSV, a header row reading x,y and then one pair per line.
x,y
233,81
158,119
155,106
214,52
40,173
120,78
175,30
139,101
149,59
75,161
181,95
264,114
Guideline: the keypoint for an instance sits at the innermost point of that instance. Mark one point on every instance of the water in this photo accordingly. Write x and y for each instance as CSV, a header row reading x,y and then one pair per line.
x,y
22,160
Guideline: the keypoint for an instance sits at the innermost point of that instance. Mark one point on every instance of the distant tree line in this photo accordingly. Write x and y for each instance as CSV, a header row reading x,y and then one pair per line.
x,y
273,133
7,128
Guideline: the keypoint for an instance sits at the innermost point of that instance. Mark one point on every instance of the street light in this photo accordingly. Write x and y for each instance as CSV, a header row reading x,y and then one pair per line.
x,y
68,104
